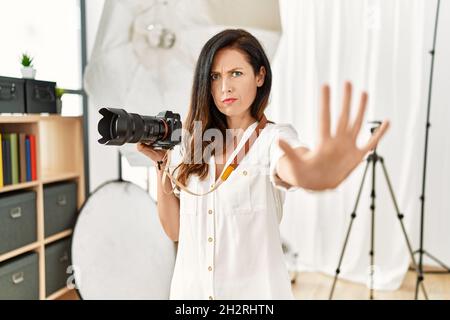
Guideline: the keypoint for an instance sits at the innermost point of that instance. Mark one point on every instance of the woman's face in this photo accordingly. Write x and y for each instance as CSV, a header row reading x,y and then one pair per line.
x,y
233,82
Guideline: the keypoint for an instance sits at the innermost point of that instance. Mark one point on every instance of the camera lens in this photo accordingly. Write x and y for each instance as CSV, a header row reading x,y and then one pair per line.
x,y
113,126
118,127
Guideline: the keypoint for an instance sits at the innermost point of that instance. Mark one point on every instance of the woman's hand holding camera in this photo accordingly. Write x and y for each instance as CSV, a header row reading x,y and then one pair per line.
x,y
158,156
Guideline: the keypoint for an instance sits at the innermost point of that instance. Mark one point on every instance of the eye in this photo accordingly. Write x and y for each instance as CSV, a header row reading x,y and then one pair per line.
x,y
236,73
214,76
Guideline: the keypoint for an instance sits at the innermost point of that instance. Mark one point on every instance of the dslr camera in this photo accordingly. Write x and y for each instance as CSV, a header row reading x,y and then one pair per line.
x,y
118,127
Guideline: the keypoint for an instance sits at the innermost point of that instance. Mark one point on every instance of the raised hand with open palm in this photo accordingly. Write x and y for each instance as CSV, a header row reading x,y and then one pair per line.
x,y
335,156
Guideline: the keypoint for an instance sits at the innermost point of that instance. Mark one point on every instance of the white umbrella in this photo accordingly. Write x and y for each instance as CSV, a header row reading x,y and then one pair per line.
x,y
145,51
128,67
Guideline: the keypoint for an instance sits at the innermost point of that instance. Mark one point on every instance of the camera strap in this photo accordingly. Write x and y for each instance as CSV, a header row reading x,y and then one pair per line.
x,y
228,170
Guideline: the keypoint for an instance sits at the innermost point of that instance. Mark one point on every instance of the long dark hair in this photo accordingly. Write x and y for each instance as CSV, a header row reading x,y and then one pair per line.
x,y
202,106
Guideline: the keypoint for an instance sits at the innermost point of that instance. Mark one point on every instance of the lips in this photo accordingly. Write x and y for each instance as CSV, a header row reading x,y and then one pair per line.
x,y
229,100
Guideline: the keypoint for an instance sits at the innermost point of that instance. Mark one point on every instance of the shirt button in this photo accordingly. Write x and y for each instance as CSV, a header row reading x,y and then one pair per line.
x,y
209,268
210,239
211,298
210,211
212,186
244,172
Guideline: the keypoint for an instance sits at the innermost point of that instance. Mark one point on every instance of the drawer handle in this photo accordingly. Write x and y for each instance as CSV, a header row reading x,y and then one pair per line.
x,y
64,258
18,277
16,212
8,92
62,200
43,93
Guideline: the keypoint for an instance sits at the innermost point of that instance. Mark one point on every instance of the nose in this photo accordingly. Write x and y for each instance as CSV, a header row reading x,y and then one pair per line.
x,y
226,85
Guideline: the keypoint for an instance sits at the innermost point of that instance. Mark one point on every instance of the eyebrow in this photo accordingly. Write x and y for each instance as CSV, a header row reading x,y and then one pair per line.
x,y
231,70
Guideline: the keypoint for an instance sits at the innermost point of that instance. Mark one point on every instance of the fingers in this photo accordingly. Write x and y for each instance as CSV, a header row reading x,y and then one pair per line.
x,y
360,116
145,149
142,147
378,134
288,150
345,112
325,113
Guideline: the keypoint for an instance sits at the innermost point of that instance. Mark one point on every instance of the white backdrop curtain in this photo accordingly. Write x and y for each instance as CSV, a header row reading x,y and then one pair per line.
x,y
382,47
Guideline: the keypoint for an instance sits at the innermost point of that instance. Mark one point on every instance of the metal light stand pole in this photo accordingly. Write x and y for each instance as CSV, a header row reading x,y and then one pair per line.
x,y
421,251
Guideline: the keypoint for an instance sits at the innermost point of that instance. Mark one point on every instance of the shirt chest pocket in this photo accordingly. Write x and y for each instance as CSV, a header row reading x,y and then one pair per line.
x,y
236,195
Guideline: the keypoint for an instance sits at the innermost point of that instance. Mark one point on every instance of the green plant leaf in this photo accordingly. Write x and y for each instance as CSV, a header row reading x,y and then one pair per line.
x,y
59,92
26,60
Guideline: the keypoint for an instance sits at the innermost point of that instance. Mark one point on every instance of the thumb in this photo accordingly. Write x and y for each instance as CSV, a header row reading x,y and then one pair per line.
x,y
287,149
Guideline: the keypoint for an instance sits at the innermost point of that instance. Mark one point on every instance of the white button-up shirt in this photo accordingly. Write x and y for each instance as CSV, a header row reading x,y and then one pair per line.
x,y
229,241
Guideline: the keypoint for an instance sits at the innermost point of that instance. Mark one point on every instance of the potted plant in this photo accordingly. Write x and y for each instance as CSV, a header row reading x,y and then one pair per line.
x,y
27,70
59,93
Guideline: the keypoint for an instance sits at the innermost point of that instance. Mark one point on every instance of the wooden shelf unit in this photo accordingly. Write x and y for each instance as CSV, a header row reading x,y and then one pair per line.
x,y
59,157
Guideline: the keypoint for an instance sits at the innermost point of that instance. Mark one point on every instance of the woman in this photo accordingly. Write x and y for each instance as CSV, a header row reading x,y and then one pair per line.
x,y
229,244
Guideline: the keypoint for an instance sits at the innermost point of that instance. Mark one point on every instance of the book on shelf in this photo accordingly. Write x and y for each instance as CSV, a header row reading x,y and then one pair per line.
x,y
6,160
18,158
28,158
14,158
23,159
33,156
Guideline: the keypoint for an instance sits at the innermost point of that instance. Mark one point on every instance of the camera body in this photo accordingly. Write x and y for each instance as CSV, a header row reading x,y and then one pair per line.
x,y
118,127
173,129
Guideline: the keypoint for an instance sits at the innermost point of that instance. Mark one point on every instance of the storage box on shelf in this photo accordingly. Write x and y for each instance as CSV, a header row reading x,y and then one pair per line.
x,y
27,96
40,214
19,278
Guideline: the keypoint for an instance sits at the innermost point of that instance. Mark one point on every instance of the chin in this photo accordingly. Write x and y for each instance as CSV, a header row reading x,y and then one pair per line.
x,y
228,112
231,111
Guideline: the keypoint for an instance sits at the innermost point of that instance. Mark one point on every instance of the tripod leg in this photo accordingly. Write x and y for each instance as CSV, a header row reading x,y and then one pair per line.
x,y
418,282
408,243
442,264
353,216
372,223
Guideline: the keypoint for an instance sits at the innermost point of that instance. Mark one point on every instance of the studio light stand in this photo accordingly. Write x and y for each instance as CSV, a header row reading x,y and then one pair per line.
x,y
372,160
421,251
